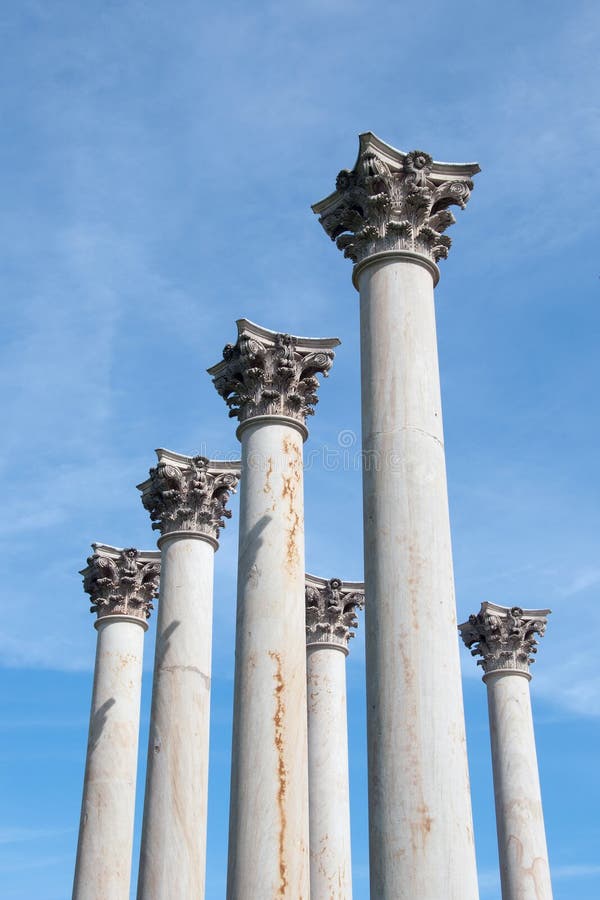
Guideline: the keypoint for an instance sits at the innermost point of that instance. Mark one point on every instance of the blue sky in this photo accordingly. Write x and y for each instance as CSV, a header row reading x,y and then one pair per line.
x,y
158,165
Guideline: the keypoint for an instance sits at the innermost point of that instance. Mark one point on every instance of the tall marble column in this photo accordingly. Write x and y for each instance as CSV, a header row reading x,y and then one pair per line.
x,y
387,214
504,637
330,622
186,498
269,382
121,585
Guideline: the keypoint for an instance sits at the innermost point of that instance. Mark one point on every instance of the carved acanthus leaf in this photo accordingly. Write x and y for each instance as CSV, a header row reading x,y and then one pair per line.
x,y
271,374
331,610
121,582
504,637
392,200
189,494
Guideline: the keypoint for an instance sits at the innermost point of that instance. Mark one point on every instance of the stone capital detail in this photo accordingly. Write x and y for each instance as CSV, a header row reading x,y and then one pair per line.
x,y
271,374
394,201
331,610
121,582
504,637
189,493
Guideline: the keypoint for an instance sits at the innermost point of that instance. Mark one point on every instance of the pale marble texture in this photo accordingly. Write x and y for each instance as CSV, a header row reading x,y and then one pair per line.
x,y
173,852
524,869
268,834
421,833
103,867
329,795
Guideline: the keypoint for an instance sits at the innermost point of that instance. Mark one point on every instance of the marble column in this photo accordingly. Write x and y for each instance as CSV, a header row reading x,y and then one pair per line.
x,y
387,215
269,382
121,585
505,639
330,622
186,498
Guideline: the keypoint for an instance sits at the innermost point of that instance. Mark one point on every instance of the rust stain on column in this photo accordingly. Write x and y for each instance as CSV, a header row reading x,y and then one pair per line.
x,y
536,871
289,492
278,720
269,471
422,826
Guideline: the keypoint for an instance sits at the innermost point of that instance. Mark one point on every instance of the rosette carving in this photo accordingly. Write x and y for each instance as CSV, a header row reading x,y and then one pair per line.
x,y
392,200
504,637
186,493
121,582
271,374
331,610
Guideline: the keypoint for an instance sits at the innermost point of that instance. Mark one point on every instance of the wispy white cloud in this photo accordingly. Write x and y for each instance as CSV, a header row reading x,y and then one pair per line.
x,y
12,834
489,879
586,578
576,871
25,864
52,723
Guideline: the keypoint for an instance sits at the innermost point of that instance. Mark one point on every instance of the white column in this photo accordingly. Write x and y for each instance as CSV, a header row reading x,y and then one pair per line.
x,y
387,214
269,381
330,620
505,638
186,499
121,584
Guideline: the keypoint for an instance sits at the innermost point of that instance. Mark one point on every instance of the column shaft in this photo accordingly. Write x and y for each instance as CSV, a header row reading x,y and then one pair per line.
x,y
421,836
524,869
329,794
268,836
103,867
173,852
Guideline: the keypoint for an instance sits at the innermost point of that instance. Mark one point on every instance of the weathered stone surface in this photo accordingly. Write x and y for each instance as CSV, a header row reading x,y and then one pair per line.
x,y
269,780
121,582
270,374
331,610
421,839
269,382
189,493
394,201
388,215
186,497
173,847
504,637
330,621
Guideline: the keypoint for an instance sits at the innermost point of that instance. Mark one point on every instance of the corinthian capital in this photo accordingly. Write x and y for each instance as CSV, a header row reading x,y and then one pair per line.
x,y
271,374
504,636
331,610
394,201
121,582
189,493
